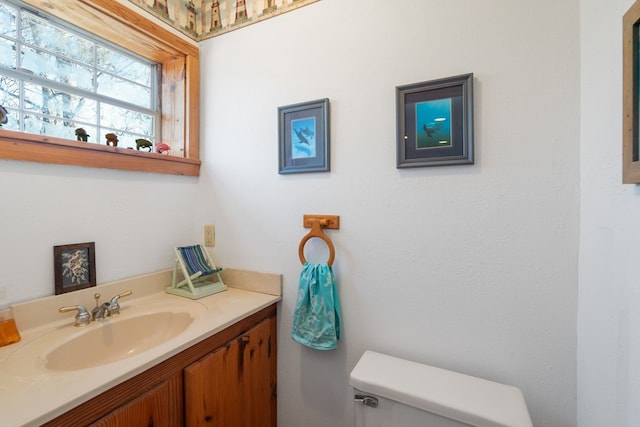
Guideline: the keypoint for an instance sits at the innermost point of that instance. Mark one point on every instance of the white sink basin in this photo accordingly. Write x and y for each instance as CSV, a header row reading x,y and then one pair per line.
x,y
115,339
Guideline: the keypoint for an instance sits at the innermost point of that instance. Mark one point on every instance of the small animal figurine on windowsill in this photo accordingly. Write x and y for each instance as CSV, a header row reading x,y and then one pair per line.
x,y
4,116
143,143
112,139
82,135
162,148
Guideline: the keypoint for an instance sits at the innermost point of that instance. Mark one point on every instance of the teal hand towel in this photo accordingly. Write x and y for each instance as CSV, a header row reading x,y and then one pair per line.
x,y
316,317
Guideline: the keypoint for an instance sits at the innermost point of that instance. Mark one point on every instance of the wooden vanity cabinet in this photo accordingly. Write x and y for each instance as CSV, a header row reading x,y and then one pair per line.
x,y
235,384
226,380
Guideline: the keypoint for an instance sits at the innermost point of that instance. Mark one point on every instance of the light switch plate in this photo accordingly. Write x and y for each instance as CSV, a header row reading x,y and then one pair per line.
x,y
210,235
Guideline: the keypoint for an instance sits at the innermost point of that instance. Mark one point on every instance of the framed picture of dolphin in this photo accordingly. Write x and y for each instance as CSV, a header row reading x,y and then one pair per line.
x,y
303,134
435,122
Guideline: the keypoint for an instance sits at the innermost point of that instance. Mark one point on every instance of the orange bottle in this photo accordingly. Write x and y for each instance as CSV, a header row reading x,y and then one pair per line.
x,y
8,330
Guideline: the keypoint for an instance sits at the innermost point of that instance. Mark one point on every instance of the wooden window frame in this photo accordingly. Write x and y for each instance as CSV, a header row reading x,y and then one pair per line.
x,y
179,94
630,121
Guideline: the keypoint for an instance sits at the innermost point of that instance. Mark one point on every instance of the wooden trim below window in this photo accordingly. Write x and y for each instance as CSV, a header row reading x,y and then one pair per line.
x,y
44,149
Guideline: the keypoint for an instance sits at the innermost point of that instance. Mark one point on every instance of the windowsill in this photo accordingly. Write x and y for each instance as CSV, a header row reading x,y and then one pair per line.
x,y
44,149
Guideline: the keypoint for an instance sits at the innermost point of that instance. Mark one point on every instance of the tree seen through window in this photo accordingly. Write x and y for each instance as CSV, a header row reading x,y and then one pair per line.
x,y
55,79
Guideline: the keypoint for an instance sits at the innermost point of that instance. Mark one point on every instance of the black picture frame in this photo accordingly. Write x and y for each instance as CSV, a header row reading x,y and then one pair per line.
x,y
303,137
74,267
435,122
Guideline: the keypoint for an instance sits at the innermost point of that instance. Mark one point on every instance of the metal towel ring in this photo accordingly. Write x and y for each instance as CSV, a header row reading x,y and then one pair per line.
x,y
316,231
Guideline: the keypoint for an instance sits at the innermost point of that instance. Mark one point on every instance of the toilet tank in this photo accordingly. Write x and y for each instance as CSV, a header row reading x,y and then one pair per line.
x,y
393,392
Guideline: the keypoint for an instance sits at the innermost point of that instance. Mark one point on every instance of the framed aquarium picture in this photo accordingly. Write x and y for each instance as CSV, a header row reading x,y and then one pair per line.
x,y
74,267
435,122
303,136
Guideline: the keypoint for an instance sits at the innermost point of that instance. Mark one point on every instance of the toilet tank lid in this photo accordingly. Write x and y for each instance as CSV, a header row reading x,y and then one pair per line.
x,y
461,397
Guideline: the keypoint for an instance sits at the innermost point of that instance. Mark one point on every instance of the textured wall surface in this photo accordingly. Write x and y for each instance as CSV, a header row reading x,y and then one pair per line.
x,y
609,310
471,268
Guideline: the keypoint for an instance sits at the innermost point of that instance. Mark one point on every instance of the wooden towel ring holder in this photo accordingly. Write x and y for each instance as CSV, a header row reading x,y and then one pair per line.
x,y
316,231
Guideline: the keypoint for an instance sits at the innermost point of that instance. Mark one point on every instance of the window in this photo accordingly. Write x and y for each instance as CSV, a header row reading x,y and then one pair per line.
x,y
55,79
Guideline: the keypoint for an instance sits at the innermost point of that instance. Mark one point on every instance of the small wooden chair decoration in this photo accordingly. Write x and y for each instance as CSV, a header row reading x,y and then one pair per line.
x,y
201,277
317,223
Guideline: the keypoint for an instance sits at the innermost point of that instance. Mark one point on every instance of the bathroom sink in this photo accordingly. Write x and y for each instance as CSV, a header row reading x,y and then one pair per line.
x,y
110,340
139,327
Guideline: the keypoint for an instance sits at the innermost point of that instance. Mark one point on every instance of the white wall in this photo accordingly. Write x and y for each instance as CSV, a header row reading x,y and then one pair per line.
x,y
609,313
134,219
472,268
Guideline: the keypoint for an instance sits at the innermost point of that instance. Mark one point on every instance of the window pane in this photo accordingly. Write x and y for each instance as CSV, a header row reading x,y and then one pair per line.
x,y
9,92
10,100
124,66
58,104
7,21
124,90
57,69
44,35
48,126
7,53
126,120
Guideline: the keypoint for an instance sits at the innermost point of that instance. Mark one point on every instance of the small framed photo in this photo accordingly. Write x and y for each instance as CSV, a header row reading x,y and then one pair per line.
x,y
435,122
303,134
74,267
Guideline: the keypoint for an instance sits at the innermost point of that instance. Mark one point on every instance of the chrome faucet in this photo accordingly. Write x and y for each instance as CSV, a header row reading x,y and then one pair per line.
x,y
100,311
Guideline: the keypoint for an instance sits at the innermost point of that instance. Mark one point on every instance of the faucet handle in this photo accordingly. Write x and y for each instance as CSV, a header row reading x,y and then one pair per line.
x,y
125,293
114,305
82,317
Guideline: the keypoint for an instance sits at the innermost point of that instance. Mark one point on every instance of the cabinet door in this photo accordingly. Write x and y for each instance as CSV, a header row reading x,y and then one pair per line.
x,y
154,408
235,385
212,390
258,373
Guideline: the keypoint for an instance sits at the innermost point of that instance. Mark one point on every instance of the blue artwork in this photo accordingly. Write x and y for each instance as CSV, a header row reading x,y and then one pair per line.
x,y
303,138
433,123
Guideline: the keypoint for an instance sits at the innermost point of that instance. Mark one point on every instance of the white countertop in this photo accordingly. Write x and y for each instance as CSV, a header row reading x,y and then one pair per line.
x,y
31,394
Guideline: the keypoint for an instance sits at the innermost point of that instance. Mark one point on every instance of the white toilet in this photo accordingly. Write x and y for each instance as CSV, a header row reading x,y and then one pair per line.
x,y
392,392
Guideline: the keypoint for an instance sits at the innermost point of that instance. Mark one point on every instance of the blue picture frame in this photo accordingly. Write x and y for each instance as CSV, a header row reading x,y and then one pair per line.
x,y
303,134
435,122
